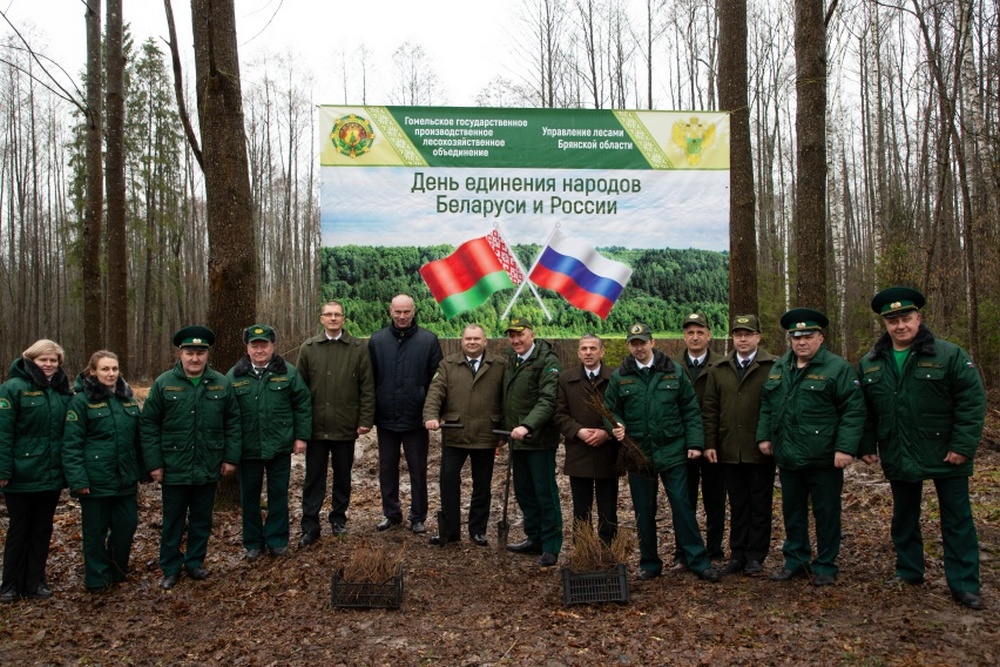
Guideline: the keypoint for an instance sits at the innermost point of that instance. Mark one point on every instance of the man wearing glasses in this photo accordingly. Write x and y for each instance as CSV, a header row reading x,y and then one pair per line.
x,y
337,369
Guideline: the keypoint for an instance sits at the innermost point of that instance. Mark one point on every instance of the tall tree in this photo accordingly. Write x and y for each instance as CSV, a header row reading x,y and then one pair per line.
x,y
742,200
93,300
810,135
232,260
118,264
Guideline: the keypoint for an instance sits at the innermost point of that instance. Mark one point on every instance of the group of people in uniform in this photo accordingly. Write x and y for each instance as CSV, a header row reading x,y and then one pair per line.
x,y
707,425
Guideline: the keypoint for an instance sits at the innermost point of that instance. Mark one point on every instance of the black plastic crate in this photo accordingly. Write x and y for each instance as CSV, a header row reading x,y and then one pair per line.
x,y
591,587
387,595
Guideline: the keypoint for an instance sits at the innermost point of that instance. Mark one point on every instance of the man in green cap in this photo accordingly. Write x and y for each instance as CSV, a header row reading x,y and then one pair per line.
x,y
276,414
190,427
652,400
697,360
812,415
926,411
530,388
730,408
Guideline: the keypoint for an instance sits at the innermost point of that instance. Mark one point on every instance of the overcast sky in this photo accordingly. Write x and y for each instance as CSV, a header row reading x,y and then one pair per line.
x,y
468,43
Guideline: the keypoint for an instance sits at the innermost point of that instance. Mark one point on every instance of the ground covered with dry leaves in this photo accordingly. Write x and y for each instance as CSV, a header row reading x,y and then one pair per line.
x,y
465,605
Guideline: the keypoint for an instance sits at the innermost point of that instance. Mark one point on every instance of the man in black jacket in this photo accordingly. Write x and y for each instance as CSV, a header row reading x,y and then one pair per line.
x,y
404,359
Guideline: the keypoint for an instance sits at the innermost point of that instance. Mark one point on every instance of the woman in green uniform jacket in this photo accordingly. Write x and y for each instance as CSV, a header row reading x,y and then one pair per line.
x,y
32,409
102,459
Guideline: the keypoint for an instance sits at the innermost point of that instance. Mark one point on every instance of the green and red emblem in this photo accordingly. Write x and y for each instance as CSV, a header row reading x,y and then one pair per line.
x,y
352,135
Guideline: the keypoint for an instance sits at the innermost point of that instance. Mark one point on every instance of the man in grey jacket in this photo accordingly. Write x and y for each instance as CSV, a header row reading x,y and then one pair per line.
x,y
467,390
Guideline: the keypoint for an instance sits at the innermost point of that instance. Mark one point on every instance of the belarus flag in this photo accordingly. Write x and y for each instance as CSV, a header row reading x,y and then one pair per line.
x,y
585,278
466,278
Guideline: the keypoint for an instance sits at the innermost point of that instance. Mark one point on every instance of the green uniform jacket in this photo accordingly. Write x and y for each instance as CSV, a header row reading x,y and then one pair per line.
x,y
529,396
659,410
730,408
935,406
810,414
32,411
101,447
456,396
275,409
189,430
701,381
339,376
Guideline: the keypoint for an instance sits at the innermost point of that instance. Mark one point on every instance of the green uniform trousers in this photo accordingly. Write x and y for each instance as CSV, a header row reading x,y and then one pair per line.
x,y
272,532
645,489
822,487
958,532
191,503
108,526
537,495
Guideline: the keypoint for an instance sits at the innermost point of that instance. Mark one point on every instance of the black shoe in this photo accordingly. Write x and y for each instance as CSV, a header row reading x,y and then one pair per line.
x,y
753,568
968,599
338,529
438,542
710,574
529,547
169,581
198,573
823,580
548,559
308,538
41,593
418,527
646,575
732,567
480,540
278,552
784,574
253,555
387,523
678,566
7,597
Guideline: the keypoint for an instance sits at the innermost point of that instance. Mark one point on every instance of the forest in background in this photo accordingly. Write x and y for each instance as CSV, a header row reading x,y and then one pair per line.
x,y
666,285
912,152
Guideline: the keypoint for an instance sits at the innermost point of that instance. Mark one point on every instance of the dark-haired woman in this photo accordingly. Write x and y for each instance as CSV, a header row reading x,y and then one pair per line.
x,y
32,409
102,460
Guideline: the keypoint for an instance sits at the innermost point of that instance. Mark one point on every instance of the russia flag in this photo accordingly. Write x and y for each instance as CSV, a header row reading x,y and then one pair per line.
x,y
580,274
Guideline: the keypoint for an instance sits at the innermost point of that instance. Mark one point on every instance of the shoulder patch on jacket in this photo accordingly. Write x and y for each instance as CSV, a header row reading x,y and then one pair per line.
x,y
71,416
4,404
553,370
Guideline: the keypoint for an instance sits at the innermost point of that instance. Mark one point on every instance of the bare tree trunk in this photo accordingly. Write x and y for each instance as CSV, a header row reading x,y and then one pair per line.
x,y
118,265
742,200
93,301
232,262
810,132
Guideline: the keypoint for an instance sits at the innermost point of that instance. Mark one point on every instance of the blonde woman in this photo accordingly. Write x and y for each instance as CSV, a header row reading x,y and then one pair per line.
x,y
33,405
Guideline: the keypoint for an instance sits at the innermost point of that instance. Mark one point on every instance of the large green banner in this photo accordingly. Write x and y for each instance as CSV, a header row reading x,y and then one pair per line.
x,y
426,175
571,215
